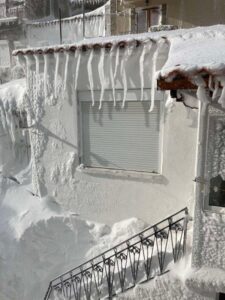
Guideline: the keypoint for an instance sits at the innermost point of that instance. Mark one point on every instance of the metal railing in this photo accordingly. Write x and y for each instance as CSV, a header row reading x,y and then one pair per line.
x,y
136,260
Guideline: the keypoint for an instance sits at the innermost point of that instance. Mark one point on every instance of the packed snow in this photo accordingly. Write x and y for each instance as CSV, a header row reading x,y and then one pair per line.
x,y
196,54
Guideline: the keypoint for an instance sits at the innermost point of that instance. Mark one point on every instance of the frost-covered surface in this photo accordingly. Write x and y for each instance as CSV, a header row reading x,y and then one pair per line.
x,y
195,54
168,287
47,33
210,280
39,241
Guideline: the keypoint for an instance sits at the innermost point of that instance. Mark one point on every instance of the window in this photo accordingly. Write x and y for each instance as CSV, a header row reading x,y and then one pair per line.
x,y
121,138
151,16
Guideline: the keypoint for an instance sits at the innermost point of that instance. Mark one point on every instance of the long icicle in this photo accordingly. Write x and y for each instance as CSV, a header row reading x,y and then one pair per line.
x,y
117,61
46,70
153,85
66,71
141,68
111,74
90,75
56,75
78,58
101,75
123,71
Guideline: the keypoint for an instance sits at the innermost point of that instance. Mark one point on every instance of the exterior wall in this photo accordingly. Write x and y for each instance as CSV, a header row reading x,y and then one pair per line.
x,y
108,196
182,13
209,245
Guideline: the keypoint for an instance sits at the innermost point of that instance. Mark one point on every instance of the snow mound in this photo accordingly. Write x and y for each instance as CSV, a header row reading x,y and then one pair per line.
x,y
39,241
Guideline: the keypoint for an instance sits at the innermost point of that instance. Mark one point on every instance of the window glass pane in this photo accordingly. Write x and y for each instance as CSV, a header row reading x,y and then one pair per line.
x,y
121,138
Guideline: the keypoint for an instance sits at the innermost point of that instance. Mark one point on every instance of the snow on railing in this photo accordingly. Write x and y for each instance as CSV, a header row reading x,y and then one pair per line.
x,y
44,33
138,259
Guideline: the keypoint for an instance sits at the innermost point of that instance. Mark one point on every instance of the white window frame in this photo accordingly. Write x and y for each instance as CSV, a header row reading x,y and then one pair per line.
x,y
132,95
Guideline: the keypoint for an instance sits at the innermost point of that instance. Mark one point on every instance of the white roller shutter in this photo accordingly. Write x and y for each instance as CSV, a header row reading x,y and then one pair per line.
x,y
121,138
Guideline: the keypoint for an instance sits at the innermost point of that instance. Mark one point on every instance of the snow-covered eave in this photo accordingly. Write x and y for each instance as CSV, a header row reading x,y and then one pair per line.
x,y
94,43
179,80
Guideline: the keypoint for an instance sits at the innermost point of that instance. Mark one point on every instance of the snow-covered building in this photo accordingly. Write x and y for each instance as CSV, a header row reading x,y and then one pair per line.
x,y
107,145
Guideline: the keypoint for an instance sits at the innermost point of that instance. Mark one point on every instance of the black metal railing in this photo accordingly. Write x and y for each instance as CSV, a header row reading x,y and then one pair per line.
x,y
136,260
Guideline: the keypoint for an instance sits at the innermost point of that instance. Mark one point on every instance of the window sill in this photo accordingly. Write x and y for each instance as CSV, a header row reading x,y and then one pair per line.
x,y
123,174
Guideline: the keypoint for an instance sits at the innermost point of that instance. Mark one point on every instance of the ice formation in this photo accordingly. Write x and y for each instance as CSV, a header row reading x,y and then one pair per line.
x,y
112,64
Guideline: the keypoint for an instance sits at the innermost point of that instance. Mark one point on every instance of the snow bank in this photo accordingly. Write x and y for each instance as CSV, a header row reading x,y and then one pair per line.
x,y
38,240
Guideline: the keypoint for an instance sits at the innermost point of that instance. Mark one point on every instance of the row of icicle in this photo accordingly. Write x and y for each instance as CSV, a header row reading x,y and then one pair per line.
x,y
150,50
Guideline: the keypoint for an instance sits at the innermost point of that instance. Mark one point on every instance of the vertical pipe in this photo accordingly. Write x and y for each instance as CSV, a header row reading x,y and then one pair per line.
x,y
83,11
60,25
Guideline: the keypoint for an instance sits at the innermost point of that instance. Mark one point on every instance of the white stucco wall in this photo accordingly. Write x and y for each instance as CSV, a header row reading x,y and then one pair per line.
x,y
108,196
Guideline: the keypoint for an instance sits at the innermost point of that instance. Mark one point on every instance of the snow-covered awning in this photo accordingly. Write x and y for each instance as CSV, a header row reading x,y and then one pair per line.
x,y
192,55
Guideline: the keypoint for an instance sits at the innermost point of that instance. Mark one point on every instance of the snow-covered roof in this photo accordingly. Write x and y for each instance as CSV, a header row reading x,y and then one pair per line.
x,y
193,54
185,36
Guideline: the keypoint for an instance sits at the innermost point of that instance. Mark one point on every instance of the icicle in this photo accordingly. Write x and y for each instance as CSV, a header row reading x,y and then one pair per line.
x,y
111,75
211,83
117,61
216,89
222,97
46,70
170,102
123,71
78,58
153,85
56,75
201,91
141,67
101,75
37,63
66,71
90,75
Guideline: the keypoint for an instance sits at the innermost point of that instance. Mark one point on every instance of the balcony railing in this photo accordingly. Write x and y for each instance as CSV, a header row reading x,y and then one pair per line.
x,y
138,259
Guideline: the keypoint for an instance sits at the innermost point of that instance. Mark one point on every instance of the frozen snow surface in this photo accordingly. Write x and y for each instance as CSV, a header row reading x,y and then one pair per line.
x,y
39,241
